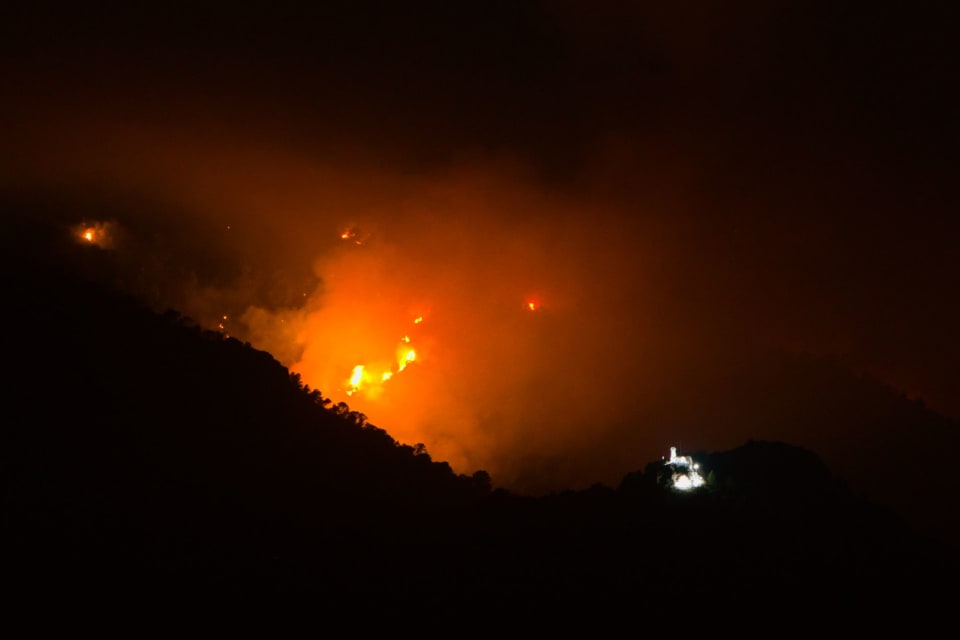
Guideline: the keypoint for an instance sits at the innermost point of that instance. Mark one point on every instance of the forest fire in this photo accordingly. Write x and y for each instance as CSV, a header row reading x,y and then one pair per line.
x,y
97,234
354,235
594,232
356,379
362,379
405,357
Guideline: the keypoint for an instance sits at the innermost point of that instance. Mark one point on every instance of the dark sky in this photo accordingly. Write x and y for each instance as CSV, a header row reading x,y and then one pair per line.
x,y
679,189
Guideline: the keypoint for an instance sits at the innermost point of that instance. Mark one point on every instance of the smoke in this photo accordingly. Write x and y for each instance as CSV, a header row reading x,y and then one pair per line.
x,y
449,270
647,298
249,240
675,203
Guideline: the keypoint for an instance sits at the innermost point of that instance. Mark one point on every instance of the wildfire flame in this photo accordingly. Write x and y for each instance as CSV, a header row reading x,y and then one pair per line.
x,y
97,234
354,235
362,379
404,357
356,379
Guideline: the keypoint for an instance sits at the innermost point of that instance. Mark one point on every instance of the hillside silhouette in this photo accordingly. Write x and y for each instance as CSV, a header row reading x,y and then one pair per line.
x,y
147,460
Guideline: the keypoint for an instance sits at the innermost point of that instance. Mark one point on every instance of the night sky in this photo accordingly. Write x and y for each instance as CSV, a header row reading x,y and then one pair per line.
x,y
687,196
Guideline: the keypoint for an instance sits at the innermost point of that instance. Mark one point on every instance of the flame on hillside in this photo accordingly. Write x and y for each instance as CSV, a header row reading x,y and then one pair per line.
x,y
98,234
370,379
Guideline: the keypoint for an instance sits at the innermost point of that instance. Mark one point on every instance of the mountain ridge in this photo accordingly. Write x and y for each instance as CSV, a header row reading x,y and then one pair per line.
x,y
145,455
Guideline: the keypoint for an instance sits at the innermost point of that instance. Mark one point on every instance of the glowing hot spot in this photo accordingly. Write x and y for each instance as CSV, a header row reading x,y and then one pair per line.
x,y
404,357
356,379
353,234
95,233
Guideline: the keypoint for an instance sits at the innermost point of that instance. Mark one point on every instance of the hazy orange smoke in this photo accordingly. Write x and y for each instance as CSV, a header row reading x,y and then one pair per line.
x,y
552,336
425,325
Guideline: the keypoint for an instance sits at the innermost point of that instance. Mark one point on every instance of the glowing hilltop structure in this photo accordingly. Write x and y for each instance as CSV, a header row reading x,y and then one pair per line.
x,y
686,472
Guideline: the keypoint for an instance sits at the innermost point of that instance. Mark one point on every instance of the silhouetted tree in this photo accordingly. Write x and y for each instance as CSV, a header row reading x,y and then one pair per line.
x,y
318,398
481,481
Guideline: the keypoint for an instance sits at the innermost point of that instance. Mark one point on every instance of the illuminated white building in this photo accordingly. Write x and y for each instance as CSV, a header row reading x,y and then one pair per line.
x,y
686,472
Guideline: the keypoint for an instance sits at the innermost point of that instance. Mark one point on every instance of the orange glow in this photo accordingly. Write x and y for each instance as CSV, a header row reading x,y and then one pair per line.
x,y
354,235
479,383
370,378
97,234
444,382
404,357
356,379
564,324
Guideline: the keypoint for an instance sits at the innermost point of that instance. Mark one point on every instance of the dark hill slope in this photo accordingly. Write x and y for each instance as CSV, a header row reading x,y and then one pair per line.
x,y
148,464
888,446
137,445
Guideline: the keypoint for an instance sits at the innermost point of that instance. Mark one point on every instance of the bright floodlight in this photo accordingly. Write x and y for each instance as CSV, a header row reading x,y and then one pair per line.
x,y
686,475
